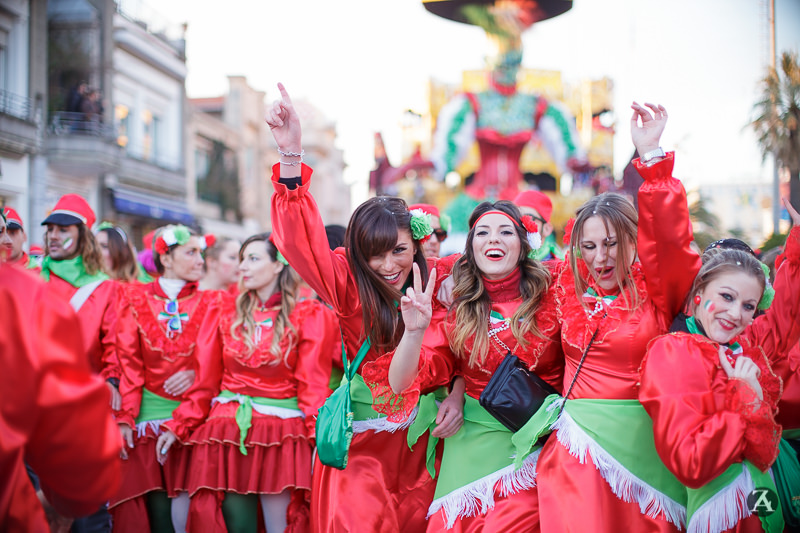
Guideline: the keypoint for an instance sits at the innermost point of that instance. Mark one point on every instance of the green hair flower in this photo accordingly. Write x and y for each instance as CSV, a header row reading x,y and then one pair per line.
x,y
105,225
421,226
445,222
182,234
282,259
769,292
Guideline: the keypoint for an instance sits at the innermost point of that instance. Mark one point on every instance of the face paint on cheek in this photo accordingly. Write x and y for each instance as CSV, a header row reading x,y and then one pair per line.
x,y
709,306
68,243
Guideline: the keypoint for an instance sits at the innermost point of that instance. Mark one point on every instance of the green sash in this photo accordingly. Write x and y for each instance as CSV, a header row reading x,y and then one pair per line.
x,y
244,413
70,270
155,407
618,434
720,504
426,421
791,434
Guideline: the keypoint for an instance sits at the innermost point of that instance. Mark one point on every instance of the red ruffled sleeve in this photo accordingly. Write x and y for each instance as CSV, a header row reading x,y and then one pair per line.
x,y
196,402
778,330
665,234
702,421
317,333
436,368
128,350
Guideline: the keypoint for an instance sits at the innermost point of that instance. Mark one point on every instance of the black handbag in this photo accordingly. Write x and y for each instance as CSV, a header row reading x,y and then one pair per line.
x,y
514,393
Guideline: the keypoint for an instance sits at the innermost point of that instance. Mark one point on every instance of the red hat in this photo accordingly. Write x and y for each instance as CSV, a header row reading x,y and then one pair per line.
x,y
71,209
426,208
36,249
536,200
13,220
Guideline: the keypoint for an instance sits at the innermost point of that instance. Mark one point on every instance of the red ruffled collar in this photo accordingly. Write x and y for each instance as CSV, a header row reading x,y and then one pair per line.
x,y
272,301
504,290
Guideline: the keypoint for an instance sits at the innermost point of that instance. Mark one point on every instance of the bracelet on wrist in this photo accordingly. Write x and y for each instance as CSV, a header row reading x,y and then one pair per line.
x,y
291,163
292,154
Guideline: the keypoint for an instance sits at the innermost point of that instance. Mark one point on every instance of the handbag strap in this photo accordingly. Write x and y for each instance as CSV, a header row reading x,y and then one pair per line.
x,y
580,365
350,369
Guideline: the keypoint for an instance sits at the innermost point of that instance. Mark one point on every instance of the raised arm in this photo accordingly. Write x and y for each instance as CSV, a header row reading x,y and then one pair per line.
x,y
298,229
665,232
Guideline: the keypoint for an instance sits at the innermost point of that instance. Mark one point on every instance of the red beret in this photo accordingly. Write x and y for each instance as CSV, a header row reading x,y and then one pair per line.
x,y
13,220
537,200
71,209
426,208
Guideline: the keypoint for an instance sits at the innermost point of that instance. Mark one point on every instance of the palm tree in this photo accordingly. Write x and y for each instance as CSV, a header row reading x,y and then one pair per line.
x,y
777,123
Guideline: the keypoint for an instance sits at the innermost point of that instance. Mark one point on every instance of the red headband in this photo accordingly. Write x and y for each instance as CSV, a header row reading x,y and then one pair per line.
x,y
496,212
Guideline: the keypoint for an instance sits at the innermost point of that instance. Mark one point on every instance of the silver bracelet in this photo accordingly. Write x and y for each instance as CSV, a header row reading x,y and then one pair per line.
x,y
292,154
290,163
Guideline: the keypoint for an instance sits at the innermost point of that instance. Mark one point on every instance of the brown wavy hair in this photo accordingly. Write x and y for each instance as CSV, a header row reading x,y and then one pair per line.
x,y
123,261
472,304
372,231
87,248
288,282
619,217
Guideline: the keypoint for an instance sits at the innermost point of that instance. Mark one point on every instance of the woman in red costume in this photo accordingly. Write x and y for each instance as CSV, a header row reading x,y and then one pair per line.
x,y
161,326
385,486
501,307
712,393
610,306
257,444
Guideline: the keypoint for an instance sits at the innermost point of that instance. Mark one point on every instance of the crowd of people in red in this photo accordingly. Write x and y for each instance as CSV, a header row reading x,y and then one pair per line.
x,y
195,397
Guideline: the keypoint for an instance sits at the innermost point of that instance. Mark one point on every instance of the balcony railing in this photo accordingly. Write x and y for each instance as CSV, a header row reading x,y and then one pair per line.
x,y
15,105
69,123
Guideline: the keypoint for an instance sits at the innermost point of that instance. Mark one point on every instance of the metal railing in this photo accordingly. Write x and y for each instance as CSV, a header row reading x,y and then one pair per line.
x,y
15,105
69,123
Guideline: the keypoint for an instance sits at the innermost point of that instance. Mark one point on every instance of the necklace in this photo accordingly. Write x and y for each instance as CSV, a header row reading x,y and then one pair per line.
x,y
500,324
599,301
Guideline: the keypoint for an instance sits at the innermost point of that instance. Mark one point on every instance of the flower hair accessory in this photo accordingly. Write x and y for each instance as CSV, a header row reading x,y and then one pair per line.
x,y
421,227
445,222
568,231
207,241
171,236
534,237
769,291
282,259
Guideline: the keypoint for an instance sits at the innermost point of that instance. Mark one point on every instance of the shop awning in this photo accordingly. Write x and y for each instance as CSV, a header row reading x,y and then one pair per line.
x,y
143,205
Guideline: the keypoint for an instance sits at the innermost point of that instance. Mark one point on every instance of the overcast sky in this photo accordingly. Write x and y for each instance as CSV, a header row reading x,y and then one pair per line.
x,y
363,62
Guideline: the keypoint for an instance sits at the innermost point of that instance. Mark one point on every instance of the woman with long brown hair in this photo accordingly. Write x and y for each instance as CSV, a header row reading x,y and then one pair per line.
x,y
502,308
385,486
257,444
119,259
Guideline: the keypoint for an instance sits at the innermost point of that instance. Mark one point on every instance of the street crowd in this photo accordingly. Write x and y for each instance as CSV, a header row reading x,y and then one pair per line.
x,y
324,379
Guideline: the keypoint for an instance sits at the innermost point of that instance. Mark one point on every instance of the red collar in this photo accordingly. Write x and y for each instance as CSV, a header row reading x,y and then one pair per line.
x,y
504,290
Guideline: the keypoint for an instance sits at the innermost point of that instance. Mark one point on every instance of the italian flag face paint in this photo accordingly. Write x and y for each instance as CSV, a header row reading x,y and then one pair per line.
x,y
709,306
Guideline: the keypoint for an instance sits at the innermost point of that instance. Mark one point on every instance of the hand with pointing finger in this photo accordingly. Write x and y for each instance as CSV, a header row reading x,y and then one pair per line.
x,y
284,123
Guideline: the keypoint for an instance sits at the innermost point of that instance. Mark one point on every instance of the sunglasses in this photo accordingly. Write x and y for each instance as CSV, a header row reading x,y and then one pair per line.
x,y
440,234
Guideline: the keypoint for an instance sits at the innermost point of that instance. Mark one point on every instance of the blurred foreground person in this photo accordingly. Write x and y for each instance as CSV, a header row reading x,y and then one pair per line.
x,y
53,412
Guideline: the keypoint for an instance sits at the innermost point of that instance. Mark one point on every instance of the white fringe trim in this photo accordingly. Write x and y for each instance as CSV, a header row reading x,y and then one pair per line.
x,y
382,424
478,497
726,508
155,425
623,483
279,412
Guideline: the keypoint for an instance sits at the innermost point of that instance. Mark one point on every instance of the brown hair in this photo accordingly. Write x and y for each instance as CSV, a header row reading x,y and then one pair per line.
x,y
123,263
619,217
472,304
247,301
719,261
372,231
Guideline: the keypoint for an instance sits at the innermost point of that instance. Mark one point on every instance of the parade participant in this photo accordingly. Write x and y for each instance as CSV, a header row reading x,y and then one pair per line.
x,y
710,389
539,206
47,386
222,262
16,232
502,306
441,225
119,261
610,306
385,486
161,325
73,266
257,443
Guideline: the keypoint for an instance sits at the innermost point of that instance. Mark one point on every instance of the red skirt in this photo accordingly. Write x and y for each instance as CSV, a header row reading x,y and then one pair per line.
x,y
518,512
384,489
574,497
142,473
279,454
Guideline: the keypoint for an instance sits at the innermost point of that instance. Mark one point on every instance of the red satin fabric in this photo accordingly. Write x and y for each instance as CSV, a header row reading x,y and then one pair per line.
x,y
385,484
384,489
149,357
49,398
98,319
515,513
789,406
574,496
